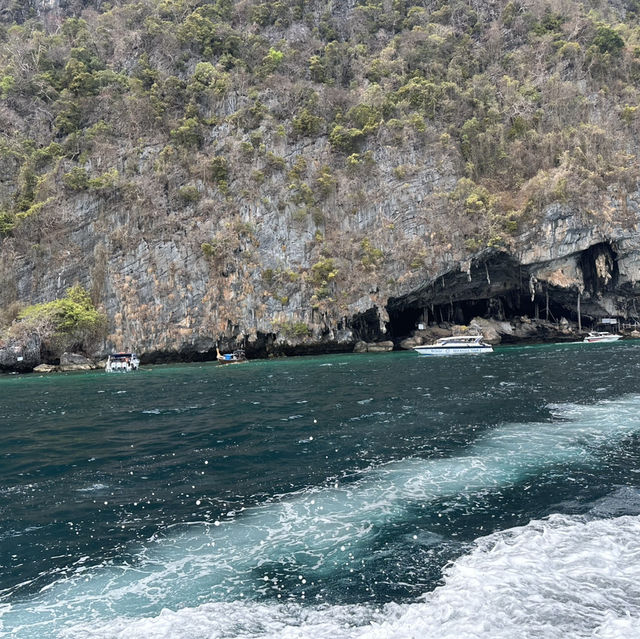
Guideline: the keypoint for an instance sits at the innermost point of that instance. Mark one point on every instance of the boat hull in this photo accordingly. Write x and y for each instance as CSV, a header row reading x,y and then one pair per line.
x,y
453,350
593,340
237,357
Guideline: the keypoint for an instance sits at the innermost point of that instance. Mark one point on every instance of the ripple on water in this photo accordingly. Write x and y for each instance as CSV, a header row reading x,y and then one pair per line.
x,y
92,488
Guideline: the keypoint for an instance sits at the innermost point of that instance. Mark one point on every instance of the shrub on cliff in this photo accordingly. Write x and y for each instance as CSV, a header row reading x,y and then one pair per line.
x,y
7,223
71,323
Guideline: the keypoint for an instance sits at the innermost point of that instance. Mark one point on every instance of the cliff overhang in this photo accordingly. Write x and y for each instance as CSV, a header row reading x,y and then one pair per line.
x,y
584,286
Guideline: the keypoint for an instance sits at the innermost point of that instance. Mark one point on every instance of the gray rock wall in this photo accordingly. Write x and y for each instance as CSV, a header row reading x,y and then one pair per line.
x,y
258,286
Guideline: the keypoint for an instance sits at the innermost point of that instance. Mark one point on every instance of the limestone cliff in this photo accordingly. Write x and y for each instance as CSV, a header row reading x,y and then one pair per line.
x,y
304,214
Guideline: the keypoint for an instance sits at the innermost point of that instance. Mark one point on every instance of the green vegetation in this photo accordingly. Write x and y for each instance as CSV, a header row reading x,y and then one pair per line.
x,y
78,179
294,330
68,323
212,101
7,223
188,194
371,257
306,123
219,170
208,250
323,271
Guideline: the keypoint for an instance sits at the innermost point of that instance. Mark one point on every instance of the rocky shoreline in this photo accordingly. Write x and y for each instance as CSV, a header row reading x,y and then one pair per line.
x,y
14,359
27,356
520,330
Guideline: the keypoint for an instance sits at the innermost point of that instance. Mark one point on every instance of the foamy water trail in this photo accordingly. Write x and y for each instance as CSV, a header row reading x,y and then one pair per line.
x,y
552,579
316,531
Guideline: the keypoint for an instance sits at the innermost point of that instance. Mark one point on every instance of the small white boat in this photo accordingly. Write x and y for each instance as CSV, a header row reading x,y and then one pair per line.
x,y
122,363
601,336
456,345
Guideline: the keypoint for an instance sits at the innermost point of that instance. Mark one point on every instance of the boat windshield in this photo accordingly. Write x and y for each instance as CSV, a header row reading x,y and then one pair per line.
x,y
467,339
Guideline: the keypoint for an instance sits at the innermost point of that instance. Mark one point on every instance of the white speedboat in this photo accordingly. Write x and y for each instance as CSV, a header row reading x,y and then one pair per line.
x,y
601,336
122,363
456,345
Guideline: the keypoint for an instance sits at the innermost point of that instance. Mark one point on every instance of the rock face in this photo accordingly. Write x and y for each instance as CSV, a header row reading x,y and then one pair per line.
x,y
360,347
20,356
76,362
286,257
411,342
563,269
166,300
380,347
45,368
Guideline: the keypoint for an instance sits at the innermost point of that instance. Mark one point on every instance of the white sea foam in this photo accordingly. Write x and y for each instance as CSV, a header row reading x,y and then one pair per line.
x,y
321,530
92,488
552,579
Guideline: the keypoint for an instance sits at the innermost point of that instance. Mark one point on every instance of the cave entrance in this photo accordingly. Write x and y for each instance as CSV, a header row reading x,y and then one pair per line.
x,y
366,326
501,307
499,288
508,306
599,266
403,321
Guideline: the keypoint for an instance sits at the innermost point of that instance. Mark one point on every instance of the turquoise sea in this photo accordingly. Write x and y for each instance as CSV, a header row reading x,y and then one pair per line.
x,y
380,496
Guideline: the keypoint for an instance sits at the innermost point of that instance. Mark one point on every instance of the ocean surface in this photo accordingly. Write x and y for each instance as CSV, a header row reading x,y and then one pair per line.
x,y
355,496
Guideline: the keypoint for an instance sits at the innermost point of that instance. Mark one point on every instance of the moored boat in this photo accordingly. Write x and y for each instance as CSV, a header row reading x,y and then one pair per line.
x,y
456,345
122,363
601,336
237,357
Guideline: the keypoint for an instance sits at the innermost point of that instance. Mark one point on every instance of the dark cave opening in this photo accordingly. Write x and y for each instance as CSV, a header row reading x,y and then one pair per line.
x,y
508,306
404,321
511,305
599,266
366,326
497,287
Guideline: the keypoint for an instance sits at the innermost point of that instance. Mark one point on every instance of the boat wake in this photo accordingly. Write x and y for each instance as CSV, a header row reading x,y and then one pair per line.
x,y
555,578
193,581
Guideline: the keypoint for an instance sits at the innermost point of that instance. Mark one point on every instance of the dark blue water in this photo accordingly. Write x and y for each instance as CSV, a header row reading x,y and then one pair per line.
x,y
359,495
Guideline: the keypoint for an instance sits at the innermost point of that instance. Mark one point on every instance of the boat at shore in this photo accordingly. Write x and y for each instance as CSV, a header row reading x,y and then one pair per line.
x,y
122,363
237,357
601,336
456,345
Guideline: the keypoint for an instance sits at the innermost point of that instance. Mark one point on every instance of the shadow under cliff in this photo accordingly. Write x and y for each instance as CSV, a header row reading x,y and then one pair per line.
x,y
581,288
